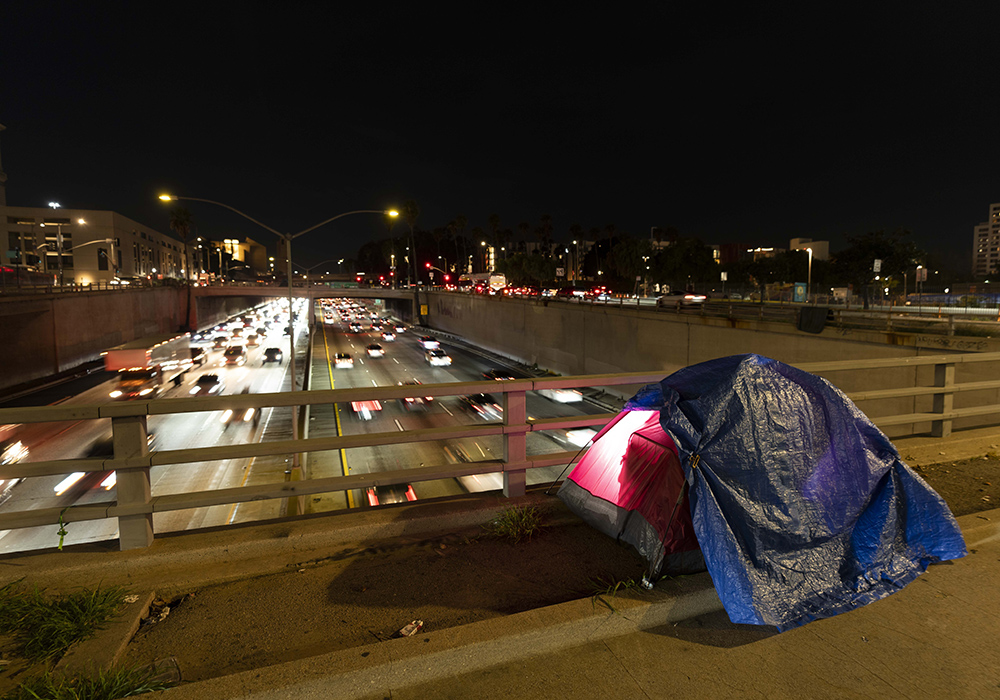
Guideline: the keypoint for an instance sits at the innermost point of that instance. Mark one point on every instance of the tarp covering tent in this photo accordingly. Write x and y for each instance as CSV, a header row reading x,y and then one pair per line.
x,y
801,507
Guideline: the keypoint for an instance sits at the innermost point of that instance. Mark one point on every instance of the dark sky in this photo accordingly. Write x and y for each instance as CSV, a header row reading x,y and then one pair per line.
x,y
746,125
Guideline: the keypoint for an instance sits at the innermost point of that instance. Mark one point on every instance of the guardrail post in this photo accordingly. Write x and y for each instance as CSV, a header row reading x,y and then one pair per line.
x,y
132,485
944,376
515,445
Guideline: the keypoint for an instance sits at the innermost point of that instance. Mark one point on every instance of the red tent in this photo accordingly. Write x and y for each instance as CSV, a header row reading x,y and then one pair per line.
x,y
622,485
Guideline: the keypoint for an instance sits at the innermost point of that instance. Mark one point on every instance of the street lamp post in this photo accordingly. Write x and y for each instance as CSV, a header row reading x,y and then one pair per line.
x,y
288,237
809,280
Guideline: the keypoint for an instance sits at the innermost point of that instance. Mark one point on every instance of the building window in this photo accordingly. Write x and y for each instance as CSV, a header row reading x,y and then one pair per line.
x,y
102,258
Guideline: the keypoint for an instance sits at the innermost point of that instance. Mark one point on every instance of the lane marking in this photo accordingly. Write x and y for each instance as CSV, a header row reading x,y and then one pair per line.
x,y
396,421
336,415
446,410
249,467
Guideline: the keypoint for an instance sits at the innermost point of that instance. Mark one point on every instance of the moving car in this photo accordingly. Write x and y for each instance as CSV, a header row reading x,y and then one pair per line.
x,y
482,405
437,358
562,395
365,410
253,340
388,336
429,342
207,385
272,355
411,402
498,374
680,299
392,493
240,416
343,361
12,450
375,350
234,356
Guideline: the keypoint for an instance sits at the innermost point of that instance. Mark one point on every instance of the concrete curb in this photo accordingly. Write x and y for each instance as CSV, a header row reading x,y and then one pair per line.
x,y
380,668
176,564
106,648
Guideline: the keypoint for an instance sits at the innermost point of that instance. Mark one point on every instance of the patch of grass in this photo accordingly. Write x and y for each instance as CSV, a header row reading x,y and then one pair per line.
x,y
45,627
610,589
993,455
516,523
106,685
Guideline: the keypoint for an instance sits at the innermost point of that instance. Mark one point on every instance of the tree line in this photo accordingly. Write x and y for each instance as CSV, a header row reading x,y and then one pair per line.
x,y
619,259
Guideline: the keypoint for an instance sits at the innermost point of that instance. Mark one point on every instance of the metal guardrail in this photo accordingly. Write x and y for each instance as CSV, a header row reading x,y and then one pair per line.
x,y
135,506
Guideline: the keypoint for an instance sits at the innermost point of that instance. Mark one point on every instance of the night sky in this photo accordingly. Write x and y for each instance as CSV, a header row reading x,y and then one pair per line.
x,y
748,125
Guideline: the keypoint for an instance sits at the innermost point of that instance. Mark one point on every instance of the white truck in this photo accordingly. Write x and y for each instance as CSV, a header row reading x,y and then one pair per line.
x,y
143,365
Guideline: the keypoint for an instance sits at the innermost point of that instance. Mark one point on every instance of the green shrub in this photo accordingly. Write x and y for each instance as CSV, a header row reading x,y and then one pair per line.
x,y
106,685
516,523
44,628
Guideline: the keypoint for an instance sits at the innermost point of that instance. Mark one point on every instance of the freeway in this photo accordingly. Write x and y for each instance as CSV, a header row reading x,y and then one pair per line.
x,y
91,438
404,360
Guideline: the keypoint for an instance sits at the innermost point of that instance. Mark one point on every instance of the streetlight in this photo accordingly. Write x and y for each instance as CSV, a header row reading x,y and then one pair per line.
x,y
310,269
288,238
431,269
809,281
109,241
59,240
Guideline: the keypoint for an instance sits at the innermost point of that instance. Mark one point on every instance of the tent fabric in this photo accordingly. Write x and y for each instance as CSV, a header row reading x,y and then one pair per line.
x,y
621,484
803,509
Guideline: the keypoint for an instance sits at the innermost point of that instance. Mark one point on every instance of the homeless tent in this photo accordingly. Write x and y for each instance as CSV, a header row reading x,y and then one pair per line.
x,y
800,506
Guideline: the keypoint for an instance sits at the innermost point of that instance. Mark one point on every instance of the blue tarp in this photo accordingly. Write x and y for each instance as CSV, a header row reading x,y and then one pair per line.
x,y
802,507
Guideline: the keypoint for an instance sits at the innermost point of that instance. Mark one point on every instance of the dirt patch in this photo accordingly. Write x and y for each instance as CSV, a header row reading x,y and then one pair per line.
x,y
370,594
968,486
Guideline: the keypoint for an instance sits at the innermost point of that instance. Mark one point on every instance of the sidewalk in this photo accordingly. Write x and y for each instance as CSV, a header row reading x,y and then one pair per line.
x,y
935,638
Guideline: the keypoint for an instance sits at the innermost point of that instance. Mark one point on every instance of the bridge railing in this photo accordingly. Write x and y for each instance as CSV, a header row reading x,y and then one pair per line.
x,y
135,504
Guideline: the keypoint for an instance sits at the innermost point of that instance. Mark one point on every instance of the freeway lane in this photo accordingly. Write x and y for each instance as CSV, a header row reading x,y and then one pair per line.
x,y
404,360
66,441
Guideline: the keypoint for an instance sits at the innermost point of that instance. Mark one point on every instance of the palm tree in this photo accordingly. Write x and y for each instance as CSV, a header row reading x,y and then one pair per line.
x,y
576,233
478,235
546,232
390,221
523,229
494,224
180,223
411,210
460,223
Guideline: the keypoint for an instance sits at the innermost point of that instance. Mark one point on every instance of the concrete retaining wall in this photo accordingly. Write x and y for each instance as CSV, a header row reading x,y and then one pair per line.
x,y
569,338
45,335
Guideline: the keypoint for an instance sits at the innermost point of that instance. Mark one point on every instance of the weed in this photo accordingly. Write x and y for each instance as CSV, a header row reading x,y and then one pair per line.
x,y
993,455
62,531
516,523
604,588
106,685
44,628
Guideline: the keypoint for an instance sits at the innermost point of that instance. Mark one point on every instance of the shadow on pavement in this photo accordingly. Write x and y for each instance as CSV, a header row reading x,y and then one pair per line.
x,y
715,630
